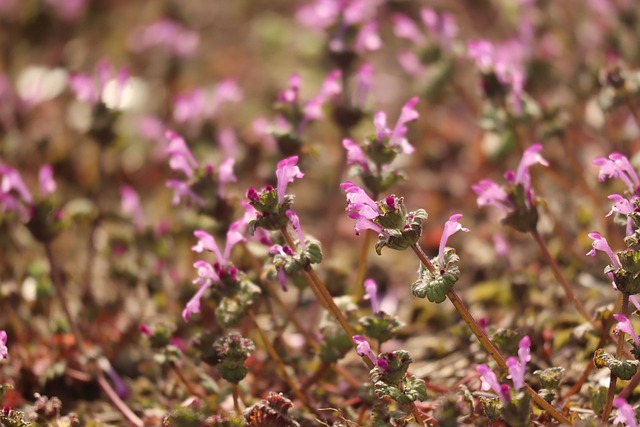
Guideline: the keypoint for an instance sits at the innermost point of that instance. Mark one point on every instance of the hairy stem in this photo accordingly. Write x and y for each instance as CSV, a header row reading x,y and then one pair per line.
x,y
487,344
614,379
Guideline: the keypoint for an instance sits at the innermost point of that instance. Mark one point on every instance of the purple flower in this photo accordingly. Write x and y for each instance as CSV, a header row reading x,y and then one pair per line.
x,y
624,325
361,207
286,172
363,348
371,289
621,205
601,244
130,205
407,114
517,368
405,28
225,175
451,227
91,89
441,26
208,243
295,223
284,252
618,166
180,157
4,351
330,87
47,183
364,83
355,155
181,190
530,157
368,38
206,276
626,414
12,182
166,34
490,382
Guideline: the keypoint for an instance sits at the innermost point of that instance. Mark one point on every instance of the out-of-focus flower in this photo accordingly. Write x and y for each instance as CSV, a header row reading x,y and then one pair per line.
x,y
37,84
490,382
47,183
4,351
180,157
68,10
397,135
626,414
295,223
107,83
201,104
130,205
371,290
517,367
166,34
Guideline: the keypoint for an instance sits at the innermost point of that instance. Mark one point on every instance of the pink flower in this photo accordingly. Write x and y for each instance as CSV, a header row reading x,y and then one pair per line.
x,y
618,166
208,243
404,27
167,34
12,182
517,368
621,205
90,89
368,38
330,88
225,175
364,83
363,348
180,157
601,244
490,382
286,172
182,190
130,205
451,227
397,135
284,252
371,289
295,223
4,351
626,414
206,276
530,157
624,325
361,208
355,155
47,183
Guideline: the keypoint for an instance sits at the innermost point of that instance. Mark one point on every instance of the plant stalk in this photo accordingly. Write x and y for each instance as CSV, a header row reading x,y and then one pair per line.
x,y
487,344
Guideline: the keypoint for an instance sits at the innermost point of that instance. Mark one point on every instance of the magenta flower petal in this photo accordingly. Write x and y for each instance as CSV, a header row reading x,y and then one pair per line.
x,y
626,414
451,227
624,325
601,244
363,348
286,172
372,293
47,183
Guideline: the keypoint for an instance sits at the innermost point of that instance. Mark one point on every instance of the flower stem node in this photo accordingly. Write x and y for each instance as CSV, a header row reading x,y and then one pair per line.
x,y
623,369
231,352
389,377
626,278
435,286
402,230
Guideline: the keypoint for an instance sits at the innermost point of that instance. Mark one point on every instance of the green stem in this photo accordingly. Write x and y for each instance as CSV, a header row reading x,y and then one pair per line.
x,y
487,344
614,379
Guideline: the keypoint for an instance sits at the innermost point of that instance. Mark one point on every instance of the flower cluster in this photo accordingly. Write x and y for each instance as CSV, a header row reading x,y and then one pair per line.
x,y
517,202
374,156
517,369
